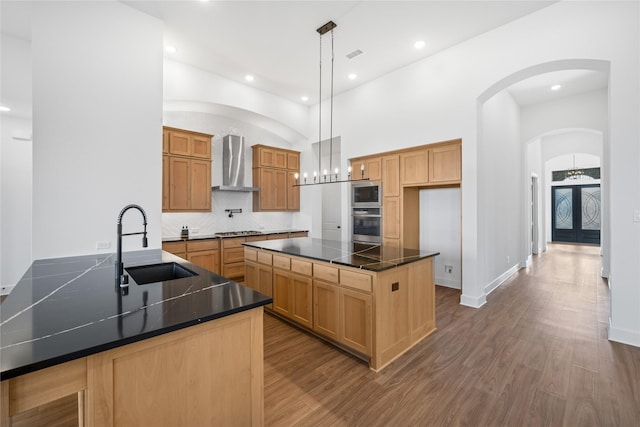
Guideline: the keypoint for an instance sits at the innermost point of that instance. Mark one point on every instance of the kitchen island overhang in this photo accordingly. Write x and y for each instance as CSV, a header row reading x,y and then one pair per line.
x,y
65,326
374,301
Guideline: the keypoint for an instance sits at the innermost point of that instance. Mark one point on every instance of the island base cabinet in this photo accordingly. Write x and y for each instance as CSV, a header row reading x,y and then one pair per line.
x,y
355,320
293,297
326,312
209,374
204,375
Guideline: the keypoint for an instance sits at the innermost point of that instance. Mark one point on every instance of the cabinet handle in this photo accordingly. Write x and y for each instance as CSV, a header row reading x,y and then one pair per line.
x,y
395,286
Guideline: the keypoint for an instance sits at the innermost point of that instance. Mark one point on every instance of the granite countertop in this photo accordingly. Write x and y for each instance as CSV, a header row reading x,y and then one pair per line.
x,y
67,308
366,257
214,236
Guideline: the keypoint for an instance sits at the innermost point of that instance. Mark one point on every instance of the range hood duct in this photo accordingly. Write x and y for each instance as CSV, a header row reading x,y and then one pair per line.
x,y
233,160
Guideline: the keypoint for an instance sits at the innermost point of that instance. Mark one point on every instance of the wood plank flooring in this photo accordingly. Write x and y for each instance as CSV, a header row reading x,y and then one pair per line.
x,y
536,354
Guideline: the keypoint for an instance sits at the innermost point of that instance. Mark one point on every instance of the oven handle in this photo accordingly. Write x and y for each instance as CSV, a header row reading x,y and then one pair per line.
x,y
367,216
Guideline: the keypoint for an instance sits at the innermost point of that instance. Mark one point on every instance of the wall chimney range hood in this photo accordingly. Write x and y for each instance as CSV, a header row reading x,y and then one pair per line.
x,y
233,159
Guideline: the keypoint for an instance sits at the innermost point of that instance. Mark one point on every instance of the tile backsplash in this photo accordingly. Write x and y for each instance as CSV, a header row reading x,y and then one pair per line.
x,y
218,220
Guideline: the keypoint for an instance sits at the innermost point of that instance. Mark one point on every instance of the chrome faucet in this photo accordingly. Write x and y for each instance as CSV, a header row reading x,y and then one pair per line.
x,y
122,280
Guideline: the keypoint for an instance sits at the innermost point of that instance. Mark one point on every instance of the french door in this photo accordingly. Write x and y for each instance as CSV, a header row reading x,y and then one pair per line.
x,y
576,214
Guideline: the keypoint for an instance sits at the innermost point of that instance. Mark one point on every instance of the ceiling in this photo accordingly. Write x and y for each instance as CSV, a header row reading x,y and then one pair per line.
x,y
277,42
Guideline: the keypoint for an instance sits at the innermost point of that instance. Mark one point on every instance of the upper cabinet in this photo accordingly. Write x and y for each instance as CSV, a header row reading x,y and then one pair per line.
x,y
186,171
445,164
371,166
274,172
414,167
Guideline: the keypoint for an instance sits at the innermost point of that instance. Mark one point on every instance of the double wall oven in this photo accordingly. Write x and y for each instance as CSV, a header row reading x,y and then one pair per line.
x,y
366,212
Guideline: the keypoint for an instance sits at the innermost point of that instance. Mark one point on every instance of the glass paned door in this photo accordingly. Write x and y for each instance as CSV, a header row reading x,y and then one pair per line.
x,y
576,214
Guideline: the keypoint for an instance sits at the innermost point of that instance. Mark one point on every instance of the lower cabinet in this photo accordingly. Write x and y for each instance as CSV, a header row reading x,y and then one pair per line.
x,y
355,325
326,314
293,296
204,253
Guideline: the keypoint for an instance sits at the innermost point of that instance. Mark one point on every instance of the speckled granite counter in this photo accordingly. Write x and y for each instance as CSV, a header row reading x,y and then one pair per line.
x,y
67,308
366,257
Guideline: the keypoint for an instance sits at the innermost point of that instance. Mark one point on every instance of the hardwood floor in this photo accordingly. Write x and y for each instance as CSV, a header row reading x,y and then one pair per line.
x,y
536,354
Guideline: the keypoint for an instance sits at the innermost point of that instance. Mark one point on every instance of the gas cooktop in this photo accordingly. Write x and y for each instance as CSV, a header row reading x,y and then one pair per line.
x,y
238,233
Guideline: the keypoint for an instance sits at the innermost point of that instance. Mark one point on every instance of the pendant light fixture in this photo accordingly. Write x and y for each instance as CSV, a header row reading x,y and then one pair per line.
x,y
327,176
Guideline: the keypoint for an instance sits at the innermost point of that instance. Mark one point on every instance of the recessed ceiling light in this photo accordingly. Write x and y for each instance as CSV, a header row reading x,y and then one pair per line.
x,y
170,49
248,78
353,76
419,44
3,108
555,87
304,98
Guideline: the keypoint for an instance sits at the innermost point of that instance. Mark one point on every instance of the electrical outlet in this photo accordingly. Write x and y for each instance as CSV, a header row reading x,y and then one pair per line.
x,y
448,269
103,244
194,230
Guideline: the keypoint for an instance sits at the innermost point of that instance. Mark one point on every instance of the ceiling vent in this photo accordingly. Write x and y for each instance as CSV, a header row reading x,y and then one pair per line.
x,y
354,53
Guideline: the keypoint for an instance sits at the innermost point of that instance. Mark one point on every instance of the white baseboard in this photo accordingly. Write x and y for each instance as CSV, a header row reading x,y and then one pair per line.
x,y
624,336
6,289
501,279
448,283
474,302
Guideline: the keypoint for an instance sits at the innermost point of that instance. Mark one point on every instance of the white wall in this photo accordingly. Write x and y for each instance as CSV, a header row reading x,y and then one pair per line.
x,y
16,165
440,231
500,188
218,220
97,116
16,200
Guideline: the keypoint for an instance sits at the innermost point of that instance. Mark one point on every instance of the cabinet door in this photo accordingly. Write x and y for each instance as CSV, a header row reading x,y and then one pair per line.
x,y
391,175
293,161
165,141
200,185
179,143
279,159
201,146
414,167
252,275
282,303
265,279
293,193
209,260
165,183
179,175
372,168
265,157
267,189
445,164
391,215
302,298
280,184
326,309
355,320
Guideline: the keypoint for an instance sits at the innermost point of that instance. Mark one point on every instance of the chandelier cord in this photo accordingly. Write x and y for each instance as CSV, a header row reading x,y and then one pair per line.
x,y
320,116
331,112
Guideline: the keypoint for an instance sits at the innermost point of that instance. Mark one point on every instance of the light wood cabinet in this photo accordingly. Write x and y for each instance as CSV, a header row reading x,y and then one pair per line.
x,y
414,167
293,296
372,168
177,248
445,164
391,218
282,303
204,253
355,324
326,314
273,172
391,175
186,171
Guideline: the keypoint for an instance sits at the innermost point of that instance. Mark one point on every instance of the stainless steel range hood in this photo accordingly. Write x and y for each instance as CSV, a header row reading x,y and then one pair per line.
x,y
233,159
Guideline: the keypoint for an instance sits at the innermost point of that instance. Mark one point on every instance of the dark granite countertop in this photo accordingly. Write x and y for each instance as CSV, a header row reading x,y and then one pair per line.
x,y
67,308
214,236
366,257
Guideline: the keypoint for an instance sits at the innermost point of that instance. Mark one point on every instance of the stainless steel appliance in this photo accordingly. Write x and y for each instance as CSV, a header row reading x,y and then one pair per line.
x,y
367,224
366,194
233,160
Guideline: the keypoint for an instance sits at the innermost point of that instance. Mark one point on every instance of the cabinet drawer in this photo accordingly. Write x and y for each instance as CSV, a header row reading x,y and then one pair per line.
x,y
250,254
355,280
174,247
235,242
203,245
302,267
325,272
298,234
256,238
233,255
234,271
265,258
277,236
282,262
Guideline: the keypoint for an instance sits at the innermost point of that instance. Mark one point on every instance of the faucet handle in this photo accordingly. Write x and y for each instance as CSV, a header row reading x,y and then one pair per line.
x,y
124,280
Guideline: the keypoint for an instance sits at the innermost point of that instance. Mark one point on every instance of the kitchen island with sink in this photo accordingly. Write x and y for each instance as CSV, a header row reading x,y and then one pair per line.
x,y
373,301
184,351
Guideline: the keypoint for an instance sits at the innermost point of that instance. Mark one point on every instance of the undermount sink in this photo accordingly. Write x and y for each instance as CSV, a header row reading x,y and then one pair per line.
x,y
145,274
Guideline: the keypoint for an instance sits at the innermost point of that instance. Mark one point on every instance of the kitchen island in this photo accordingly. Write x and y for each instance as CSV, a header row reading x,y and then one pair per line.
x,y
176,352
373,301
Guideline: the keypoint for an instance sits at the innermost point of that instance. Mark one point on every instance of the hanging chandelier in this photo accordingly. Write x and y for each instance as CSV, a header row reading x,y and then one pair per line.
x,y
330,175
